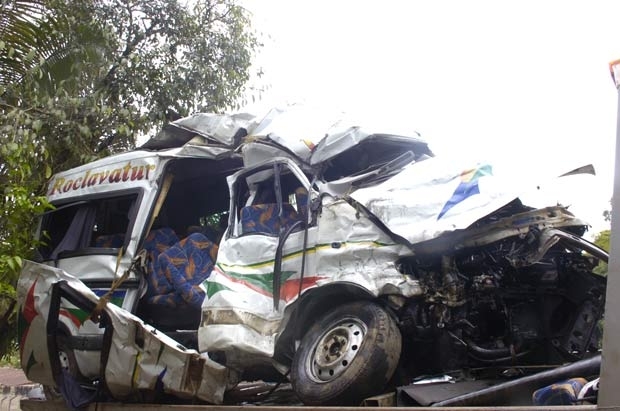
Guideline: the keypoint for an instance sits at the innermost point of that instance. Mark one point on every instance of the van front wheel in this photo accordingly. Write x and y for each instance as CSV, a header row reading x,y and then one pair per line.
x,y
347,355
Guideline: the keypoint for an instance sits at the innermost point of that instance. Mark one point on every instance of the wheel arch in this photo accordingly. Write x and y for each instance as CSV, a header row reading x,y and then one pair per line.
x,y
313,304
348,354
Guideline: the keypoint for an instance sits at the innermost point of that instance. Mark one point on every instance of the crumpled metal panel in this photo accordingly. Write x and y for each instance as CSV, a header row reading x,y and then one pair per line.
x,y
256,152
218,128
184,373
198,151
316,136
298,129
312,135
435,196
140,357
342,140
239,316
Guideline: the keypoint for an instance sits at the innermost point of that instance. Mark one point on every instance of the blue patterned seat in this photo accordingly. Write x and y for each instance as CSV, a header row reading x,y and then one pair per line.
x,y
263,218
560,393
181,269
155,243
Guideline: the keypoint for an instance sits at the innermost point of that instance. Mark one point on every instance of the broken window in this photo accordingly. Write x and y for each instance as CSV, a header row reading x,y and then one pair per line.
x,y
270,201
198,200
384,153
98,226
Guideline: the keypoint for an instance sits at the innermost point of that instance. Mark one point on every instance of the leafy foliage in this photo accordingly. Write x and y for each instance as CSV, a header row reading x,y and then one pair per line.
x,y
602,239
83,79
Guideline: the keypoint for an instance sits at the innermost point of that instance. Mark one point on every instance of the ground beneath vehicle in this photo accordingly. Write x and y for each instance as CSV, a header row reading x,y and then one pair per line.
x,y
232,248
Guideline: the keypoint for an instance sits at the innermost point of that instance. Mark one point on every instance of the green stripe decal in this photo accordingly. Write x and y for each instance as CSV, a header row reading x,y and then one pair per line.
x,y
310,250
214,288
82,315
261,281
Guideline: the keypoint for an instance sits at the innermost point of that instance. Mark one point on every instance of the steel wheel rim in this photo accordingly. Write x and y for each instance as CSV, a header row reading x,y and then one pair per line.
x,y
64,360
335,349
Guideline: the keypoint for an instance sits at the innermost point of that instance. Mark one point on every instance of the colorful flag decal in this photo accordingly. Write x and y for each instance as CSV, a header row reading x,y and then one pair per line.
x,y
468,186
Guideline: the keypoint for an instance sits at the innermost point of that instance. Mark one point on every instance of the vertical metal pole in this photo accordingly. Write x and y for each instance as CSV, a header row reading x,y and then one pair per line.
x,y
609,395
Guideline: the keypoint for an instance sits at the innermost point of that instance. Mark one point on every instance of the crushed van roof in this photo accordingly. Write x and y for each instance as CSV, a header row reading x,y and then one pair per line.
x,y
312,138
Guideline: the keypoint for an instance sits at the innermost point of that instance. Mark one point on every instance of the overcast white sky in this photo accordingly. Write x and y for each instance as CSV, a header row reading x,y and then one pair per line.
x,y
523,82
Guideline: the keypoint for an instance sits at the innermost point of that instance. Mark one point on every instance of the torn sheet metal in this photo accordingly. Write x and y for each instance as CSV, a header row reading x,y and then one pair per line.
x,y
380,223
291,129
255,152
317,141
341,141
239,314
313,136
139,357
288,128
215,128
517,225
435,196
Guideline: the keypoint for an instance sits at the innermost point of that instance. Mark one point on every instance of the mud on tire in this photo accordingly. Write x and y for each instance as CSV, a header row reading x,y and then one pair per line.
x,y
347,355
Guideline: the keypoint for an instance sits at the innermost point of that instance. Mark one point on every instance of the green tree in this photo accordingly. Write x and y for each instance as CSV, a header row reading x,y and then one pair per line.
x,y
602,239
82,79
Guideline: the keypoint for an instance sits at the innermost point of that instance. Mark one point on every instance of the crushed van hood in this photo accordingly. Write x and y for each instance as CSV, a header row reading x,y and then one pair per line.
x,y
435,196
431,198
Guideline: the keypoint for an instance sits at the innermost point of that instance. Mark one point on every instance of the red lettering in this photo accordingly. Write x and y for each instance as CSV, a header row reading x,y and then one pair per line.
x,y
57,186
85,178
67,186
103,175
76,183
93,179
137,173
126,171
115,176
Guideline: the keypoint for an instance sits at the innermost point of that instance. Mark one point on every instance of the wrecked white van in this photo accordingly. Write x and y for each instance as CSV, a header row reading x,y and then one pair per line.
x,y
345,261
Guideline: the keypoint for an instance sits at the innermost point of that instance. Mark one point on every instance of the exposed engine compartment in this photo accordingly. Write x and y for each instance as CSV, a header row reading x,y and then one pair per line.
x,y
495,305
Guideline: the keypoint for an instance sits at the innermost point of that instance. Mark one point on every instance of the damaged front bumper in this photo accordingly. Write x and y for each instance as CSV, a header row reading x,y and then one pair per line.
x,y
134,358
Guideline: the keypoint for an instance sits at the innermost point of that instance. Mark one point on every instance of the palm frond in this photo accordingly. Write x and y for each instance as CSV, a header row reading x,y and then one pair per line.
x,y
29,36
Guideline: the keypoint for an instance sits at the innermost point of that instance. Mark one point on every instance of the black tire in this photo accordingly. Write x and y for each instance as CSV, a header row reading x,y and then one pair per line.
x,y
347,355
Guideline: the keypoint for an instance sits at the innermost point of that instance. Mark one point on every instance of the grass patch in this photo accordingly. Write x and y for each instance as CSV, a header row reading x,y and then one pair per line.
x,y
11,358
